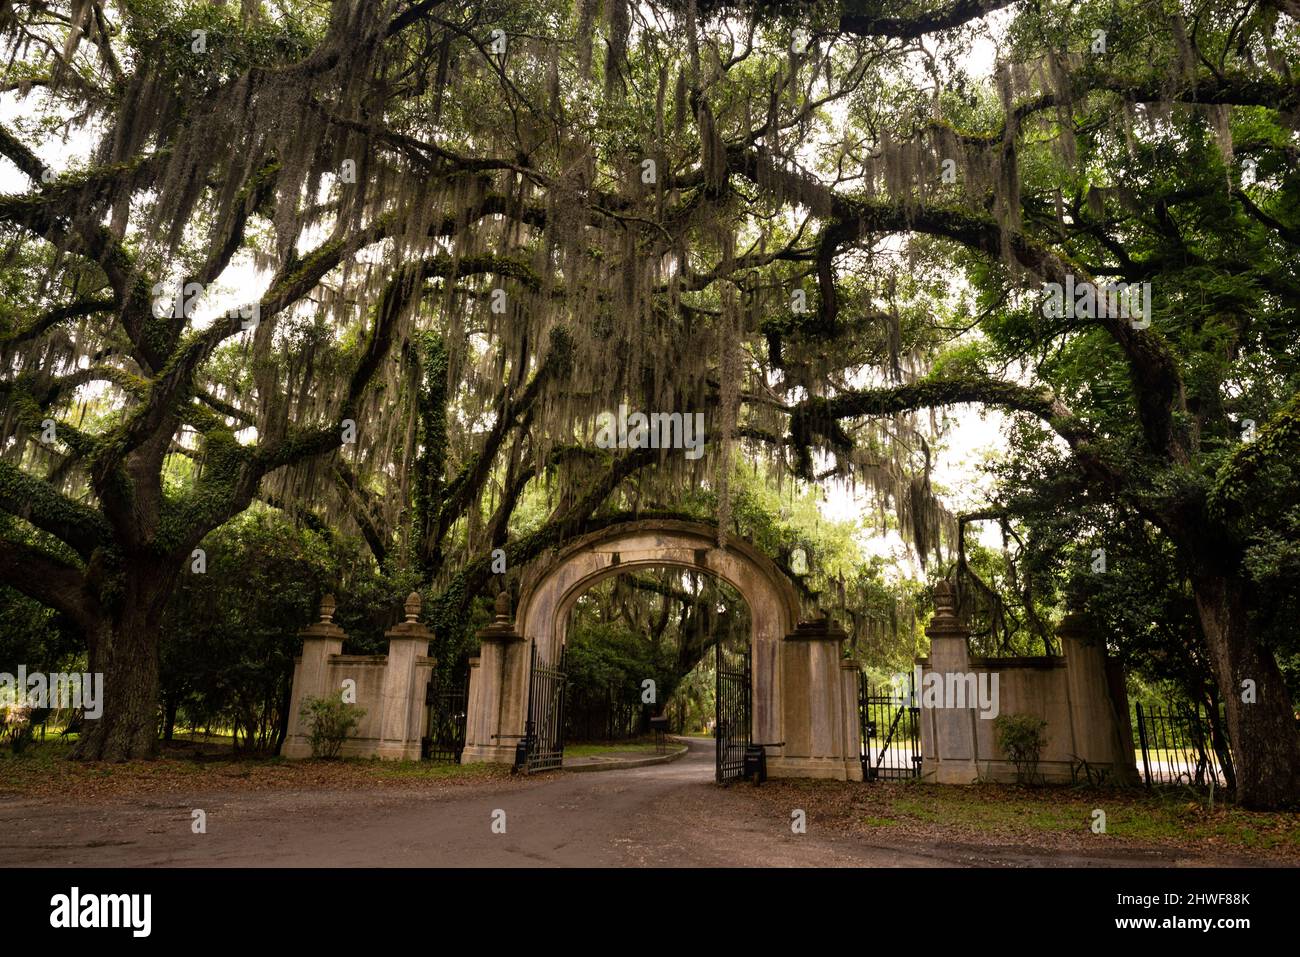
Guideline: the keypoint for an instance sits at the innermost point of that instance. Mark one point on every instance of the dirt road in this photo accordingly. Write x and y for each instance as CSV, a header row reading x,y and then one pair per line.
x,y
668,815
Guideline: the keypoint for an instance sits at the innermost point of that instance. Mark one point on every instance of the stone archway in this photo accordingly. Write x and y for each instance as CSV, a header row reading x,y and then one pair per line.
x,y
804,695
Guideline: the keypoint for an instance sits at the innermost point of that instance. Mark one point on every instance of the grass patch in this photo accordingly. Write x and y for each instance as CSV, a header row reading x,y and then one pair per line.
x,y
1056,818
1150,817
430,770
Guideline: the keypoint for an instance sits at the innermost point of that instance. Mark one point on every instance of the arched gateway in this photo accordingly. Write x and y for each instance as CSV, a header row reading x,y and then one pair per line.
x,y
804,695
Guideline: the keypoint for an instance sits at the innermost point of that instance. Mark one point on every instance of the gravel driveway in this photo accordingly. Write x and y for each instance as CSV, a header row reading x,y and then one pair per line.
x,y
668,815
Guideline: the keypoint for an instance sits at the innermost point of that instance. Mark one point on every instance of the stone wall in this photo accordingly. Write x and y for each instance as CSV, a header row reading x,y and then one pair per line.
x,y
390,688
1076,693
810,692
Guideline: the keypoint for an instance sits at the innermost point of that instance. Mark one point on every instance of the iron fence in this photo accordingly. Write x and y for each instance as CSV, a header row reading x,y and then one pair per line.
x,y
603,714
889,720
732,704
1177,743
447,698
544,732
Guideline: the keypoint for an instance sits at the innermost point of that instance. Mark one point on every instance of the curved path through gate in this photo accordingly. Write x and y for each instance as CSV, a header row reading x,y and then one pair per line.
x,y
668,815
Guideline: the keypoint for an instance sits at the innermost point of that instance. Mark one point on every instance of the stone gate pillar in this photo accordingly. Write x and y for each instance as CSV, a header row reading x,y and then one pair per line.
x,y
320,642
948,733
498,691
1100,728
819,706
402,700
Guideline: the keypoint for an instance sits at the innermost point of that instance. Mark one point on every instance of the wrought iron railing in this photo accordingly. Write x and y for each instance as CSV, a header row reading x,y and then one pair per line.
x,y
889,721
1177,747
447,698
733,713
544,732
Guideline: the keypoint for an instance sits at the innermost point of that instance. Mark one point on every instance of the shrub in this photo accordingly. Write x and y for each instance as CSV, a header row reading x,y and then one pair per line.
x,y
229,636
330,722
1022,737
17,726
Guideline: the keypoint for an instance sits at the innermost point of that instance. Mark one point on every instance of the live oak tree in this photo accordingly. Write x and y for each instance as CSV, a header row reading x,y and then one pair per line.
x,y
361,175
1122,155
449,236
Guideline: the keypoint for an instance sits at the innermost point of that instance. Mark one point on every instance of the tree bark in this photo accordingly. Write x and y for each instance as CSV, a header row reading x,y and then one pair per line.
x,y
1263,733
1219,740
126,653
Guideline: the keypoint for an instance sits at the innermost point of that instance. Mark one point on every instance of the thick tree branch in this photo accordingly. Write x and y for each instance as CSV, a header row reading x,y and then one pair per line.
x,y
862,18
79,526
48,580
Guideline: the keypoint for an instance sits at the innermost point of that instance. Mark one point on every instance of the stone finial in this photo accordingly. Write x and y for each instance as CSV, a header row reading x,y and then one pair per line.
x,y
946,623
945,599
411,627
503,623
325,628
1076,624
1077,595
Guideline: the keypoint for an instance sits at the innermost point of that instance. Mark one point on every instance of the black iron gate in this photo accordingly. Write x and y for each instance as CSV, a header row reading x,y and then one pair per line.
x,y
447,698
544,732
731,726
890,723
1177,743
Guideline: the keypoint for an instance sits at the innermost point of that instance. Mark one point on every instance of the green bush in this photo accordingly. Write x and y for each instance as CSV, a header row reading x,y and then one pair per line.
x,y
330,722
1022,737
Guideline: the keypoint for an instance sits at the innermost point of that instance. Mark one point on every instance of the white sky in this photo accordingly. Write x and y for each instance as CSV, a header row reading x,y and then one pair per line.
x,y
974,434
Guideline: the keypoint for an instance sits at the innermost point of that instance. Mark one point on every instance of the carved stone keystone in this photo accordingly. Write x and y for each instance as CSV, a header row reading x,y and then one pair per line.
x,y
819,629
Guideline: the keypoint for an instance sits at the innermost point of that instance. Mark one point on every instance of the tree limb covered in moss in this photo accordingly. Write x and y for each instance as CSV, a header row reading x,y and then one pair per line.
x,y
35,501
49,580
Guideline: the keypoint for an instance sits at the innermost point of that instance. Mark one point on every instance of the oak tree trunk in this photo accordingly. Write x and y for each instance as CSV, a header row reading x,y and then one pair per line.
x,y
1263,734
125,651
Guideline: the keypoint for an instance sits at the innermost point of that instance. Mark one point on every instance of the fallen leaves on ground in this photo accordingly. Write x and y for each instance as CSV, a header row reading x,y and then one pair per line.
x,y
45,772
